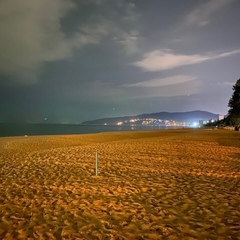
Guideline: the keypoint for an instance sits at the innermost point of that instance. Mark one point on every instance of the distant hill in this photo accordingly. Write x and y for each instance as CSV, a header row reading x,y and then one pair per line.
x,y
190,117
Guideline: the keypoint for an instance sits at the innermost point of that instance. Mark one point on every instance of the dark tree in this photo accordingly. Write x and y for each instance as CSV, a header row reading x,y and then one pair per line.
x,y
234,104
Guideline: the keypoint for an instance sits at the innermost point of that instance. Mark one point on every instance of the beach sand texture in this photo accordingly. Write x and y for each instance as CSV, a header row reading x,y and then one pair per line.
x,y
167,184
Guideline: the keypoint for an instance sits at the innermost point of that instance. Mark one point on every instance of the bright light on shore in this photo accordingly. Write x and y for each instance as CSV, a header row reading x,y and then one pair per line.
x,y
195,124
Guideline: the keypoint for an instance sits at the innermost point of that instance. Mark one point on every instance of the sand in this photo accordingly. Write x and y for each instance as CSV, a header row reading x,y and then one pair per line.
x,y
169,184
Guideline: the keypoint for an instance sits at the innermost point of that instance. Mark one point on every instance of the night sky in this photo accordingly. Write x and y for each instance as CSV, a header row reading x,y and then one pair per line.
x,y
67,61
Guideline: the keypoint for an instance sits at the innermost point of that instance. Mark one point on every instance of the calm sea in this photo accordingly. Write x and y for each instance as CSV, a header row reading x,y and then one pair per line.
x,y
21,129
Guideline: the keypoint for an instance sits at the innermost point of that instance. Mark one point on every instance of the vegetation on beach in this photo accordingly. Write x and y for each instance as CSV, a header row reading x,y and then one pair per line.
x,y
234,104
233,117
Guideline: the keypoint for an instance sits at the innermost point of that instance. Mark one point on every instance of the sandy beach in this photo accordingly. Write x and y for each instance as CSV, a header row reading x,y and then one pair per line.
x,y
167,184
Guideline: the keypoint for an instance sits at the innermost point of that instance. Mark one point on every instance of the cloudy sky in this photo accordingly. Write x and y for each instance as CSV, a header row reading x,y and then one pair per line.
x,y
75,60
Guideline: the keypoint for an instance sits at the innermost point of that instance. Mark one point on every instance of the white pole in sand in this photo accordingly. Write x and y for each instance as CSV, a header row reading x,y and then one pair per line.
x,y
96,163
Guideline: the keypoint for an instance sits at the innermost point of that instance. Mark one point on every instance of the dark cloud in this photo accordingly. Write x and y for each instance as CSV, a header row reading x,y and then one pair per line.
x,y
32,34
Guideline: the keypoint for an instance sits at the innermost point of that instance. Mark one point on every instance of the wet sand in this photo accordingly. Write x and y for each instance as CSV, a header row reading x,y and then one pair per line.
x,y
169,184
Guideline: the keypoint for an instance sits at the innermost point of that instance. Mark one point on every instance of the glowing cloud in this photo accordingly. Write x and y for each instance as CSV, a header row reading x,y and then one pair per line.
x,y
165,59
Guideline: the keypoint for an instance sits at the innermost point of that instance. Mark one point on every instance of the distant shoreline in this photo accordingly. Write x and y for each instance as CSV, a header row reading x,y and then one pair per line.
x,y
34,129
